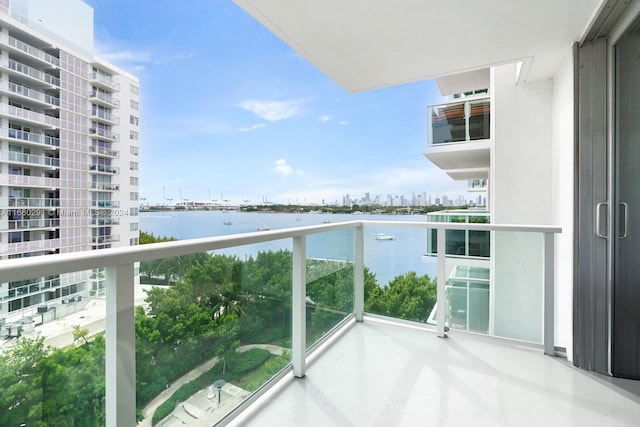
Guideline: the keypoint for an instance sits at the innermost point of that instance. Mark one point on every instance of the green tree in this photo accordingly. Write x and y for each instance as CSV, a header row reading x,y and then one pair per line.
x,y
227,342
407,296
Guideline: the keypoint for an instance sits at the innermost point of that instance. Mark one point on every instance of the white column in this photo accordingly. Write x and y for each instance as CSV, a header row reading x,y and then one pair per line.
x,y
442,266
358,274
299,306
120,357
549,293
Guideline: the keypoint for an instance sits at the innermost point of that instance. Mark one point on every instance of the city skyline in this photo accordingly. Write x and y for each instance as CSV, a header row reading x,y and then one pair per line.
x,y
229,108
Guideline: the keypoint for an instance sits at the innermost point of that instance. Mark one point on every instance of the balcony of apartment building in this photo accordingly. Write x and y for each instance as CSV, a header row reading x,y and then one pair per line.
x,y
29,116
21,158
17,176
28,51
103,81
104,186
30,138
19,241
103,132
105,203
477,185
29,75
103,98
459,136
343,365
103,115
103,149
103,168
47,99
99,220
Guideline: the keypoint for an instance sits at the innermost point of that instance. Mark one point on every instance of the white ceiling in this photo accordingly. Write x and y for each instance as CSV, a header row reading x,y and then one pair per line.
x,y
367,44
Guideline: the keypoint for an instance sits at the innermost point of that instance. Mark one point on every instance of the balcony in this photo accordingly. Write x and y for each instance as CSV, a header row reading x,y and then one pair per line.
x,y
105,203
33,73
23,224
33,51
376,367
100,240
104,133
104,117
32,159
104,186
102,221
43,98
104,169
104,99
32,117
104,81
31,137
459,137
103,151
30,202
29,181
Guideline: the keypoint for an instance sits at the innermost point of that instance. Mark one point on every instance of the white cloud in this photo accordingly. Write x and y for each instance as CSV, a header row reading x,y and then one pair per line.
x,y
343,122
324,118
252,127
117,54
285,169
273,110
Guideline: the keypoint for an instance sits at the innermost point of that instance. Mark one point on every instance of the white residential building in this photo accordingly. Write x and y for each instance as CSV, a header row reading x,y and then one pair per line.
x,y
69,138
560,82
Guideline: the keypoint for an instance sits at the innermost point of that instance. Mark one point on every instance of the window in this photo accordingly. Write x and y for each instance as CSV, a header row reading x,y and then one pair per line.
x,y
133,134
134,211
133,196
133,180
134,104
133,242
133,226
133,120
134,89
133,166
133,150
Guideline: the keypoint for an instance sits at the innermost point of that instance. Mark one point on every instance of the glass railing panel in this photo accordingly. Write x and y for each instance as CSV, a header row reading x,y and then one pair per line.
x,y
52,353
398,282
225,313
518,285
447,123
479,116
330,285
466,120
461,243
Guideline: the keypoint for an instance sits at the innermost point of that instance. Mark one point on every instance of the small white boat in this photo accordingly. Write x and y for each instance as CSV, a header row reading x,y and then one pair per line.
x,y
382,236
263,227
227,222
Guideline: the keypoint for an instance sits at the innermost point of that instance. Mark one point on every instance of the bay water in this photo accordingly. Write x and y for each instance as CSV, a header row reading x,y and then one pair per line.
x,y
385,258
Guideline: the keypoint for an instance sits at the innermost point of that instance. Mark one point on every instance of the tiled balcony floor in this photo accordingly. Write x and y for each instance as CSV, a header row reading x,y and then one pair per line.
x,y
382,374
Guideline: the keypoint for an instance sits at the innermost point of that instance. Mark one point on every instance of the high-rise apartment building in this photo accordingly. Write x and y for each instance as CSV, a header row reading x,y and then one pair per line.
x,y
69,138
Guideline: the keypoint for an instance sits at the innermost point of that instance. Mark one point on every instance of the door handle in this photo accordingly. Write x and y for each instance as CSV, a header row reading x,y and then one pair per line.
x,y
626,217
598,209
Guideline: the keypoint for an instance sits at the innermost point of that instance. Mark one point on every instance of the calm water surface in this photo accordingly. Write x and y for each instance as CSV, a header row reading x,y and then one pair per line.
x,y
385,258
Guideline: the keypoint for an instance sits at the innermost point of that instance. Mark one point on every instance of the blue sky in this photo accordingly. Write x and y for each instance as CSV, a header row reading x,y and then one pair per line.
x,y
229,109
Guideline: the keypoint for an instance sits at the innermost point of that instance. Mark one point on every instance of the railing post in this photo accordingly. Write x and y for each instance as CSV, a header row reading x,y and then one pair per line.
x,y
442,266
549,294
120,354
299,306
358,274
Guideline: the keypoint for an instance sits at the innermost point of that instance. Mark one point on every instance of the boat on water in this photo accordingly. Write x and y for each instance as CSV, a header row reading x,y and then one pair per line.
x,y
227,222
263,227
382,236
